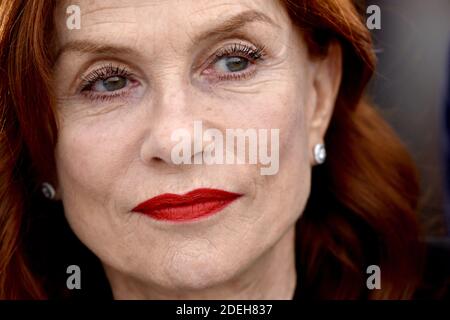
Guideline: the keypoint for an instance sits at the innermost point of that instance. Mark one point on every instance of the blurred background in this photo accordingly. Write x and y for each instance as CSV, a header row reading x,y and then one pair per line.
x,y
413,47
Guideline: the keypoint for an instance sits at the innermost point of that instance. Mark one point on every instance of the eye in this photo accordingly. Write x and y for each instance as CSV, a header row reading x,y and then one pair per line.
x,y
232,64
110,84
235,62
107,82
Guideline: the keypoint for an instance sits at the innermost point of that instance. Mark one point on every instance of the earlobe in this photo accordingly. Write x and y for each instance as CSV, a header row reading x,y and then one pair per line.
x,y
326,83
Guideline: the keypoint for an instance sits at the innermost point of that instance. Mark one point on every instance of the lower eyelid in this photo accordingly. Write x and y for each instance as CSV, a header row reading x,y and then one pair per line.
x,y
239,76
249,72
124,92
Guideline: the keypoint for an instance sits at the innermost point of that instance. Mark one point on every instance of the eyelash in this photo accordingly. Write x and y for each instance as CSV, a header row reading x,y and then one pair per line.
x,y
103,73
253,54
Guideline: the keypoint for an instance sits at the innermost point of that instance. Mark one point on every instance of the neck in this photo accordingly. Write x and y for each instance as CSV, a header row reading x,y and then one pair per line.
x,y
272,277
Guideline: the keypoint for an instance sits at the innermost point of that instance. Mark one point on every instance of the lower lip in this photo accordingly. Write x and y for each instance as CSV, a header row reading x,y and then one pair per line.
x,y
189,212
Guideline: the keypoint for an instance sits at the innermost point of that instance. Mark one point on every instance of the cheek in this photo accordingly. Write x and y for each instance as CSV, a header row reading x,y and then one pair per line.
x,y
79,158
90,156
281,198
91,164
292,182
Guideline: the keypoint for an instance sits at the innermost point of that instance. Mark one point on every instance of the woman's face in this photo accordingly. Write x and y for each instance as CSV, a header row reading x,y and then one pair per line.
x,y
138,71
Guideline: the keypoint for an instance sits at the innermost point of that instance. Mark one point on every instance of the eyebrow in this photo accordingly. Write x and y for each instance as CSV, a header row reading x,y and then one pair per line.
x,y
236,22
225,28
86,46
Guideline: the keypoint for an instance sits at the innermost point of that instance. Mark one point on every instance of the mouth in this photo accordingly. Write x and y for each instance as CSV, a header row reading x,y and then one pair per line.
x,y
193,205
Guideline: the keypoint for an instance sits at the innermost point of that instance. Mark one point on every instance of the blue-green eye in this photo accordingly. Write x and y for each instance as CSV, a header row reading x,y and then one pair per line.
x,y
110,84
236,62
232,64
106,79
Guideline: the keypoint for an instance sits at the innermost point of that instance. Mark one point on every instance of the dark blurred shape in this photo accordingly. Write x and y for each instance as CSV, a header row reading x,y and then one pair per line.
x,y
447,147
436,278
408,89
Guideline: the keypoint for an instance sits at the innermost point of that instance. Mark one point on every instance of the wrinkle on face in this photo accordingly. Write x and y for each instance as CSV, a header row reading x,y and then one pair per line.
x,y
113,155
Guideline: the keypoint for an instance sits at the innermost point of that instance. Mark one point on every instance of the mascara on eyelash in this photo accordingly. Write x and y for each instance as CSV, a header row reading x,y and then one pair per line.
x,y
107,71
103,73
240,48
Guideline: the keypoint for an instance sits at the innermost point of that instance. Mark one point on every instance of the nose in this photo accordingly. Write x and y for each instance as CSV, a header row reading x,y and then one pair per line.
x,y
172,112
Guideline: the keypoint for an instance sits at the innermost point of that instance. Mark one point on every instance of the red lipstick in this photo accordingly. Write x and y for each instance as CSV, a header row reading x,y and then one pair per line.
x,y
189,206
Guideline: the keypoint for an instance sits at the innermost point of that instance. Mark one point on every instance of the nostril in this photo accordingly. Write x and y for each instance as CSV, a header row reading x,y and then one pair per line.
x,y
157,159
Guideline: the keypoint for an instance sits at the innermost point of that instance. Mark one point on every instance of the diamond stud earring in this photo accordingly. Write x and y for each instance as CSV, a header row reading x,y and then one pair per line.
x,y
48,191
320,154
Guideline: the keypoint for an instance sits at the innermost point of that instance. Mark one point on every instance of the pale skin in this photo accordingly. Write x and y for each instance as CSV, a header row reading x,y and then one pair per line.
x,y
114,152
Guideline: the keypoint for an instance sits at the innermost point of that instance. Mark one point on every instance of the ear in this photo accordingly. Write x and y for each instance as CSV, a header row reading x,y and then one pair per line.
x,y
326,80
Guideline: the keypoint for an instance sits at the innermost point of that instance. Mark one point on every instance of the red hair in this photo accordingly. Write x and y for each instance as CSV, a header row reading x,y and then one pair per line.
x,y
362,208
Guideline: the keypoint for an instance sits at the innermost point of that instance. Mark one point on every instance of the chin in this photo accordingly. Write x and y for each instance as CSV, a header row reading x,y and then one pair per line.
x,y
185,270
199,273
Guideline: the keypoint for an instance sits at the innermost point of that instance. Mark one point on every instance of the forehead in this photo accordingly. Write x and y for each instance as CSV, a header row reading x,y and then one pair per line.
x,y
163,19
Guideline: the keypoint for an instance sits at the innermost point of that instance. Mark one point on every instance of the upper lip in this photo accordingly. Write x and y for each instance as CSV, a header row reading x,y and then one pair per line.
x,y
196,196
